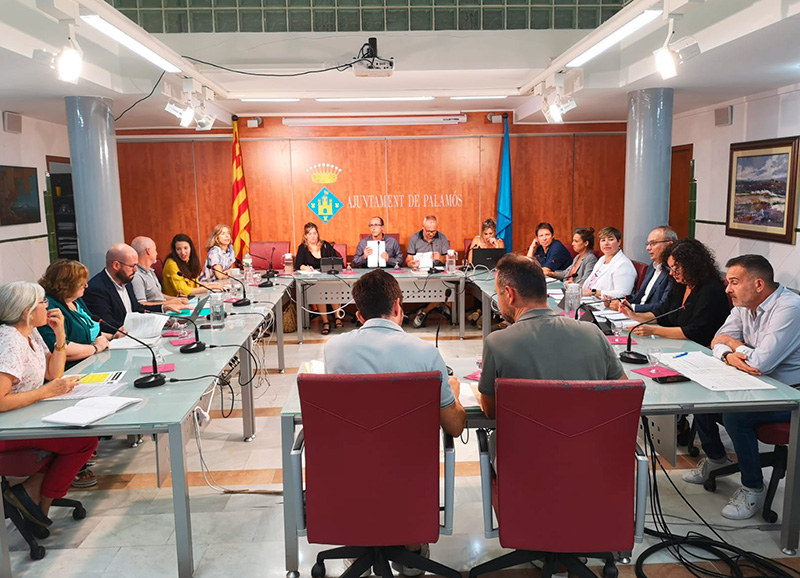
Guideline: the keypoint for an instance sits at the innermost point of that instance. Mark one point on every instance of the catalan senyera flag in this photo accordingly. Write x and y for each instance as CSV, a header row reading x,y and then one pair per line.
x,y
241,213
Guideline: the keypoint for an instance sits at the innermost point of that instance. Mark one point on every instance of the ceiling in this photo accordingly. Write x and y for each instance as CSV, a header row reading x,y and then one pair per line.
x,y
748,47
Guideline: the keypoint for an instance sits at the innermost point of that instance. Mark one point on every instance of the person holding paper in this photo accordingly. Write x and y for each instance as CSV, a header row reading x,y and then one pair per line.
x,y
427,248
613,275
759,337
487,239
64,282
25,364
366,253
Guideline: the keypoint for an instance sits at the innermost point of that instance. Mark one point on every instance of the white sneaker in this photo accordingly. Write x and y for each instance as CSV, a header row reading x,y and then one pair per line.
x,y
744,504
704,467
419,319
405,570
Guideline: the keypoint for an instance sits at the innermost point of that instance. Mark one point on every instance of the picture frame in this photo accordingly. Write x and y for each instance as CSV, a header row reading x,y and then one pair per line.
x,y
19,196
763,190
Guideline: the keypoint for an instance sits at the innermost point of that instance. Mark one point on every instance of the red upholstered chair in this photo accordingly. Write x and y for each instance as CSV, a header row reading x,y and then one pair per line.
x,y
570,249
598,253
158,269
358,432
774,434
641,271
23,464
341,248
564,484
262,252
395,236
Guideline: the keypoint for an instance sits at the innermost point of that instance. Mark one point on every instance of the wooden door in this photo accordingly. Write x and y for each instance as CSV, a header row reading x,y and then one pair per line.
x,y
679,184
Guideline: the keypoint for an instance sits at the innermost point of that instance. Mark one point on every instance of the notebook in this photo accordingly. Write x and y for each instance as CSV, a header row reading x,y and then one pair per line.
x,y
88,411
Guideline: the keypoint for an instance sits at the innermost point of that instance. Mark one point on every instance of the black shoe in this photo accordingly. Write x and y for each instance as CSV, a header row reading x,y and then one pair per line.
x,y
19,498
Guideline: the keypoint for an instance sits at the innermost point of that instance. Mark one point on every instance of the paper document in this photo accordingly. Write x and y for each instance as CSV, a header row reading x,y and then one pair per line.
x,y
713,373
128,343
552,280
93,385
425,259
88,411
467,396
144,326
378,249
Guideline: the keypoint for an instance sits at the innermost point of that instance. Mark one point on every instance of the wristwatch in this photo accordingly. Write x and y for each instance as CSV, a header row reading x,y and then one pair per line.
x,y
725,356
58,347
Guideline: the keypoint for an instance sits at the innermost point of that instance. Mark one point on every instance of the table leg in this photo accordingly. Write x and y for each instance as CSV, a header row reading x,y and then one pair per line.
x,y
246,384
180,498
486,311
301,315
790,528
277,312
462,299
289,517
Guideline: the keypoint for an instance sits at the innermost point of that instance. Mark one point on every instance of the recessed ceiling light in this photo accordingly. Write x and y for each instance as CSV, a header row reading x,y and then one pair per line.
x,y
618,35
375,99
494,97
269,99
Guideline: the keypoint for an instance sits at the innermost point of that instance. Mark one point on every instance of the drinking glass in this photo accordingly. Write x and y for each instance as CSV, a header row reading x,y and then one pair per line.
x,y
616,327
479,361
653,357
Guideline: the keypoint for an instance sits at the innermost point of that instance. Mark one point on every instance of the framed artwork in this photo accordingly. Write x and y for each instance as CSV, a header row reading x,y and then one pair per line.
x,y
19,196
762,190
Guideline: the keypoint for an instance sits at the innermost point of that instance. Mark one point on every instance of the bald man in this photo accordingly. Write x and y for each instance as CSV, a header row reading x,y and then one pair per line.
x,y
146,286
110,293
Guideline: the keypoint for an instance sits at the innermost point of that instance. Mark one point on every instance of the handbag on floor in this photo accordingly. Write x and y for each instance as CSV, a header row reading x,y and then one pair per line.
x,y
290,319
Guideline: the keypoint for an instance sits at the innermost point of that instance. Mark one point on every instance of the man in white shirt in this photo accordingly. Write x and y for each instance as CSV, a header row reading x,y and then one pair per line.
x,y
759,337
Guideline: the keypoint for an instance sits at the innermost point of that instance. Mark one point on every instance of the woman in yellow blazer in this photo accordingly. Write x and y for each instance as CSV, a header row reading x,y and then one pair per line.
x,y
182,268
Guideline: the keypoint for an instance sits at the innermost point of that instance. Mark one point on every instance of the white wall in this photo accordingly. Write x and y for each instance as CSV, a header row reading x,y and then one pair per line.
x,y
28,259
762,116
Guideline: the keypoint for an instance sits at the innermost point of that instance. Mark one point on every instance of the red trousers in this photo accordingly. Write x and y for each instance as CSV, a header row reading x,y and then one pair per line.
x,y
71,454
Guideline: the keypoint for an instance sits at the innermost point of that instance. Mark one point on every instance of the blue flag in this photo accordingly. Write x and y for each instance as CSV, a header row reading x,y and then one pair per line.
x,y
504,194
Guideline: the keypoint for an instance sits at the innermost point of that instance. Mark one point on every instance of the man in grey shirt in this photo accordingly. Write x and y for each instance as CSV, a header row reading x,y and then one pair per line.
x,y
392,255
145,283
427,240
760,337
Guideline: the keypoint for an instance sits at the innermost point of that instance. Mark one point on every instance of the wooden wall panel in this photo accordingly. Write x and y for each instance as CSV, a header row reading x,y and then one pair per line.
x,y
157,185
267,174
443,176
599,181
491,149
680,181
212,161
359,187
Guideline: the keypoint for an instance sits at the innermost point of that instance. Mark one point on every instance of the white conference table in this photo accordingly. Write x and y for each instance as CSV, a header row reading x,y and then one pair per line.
x,y
168,409
418,287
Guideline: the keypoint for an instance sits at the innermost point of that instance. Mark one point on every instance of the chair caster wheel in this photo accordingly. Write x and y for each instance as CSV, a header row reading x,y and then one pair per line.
x,y
79,513
710,485
694,451
318,570
770,516
610,571
38,553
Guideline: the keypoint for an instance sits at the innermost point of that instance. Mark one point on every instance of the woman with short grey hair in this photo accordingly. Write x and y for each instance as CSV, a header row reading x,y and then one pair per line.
x,y
25,364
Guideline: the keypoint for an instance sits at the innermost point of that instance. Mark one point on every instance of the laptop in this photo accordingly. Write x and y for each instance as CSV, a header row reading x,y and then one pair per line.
x,y
201,303
331,264
487,257
603,324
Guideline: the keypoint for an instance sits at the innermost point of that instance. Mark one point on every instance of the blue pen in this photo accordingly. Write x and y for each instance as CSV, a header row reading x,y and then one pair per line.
x,y
680,355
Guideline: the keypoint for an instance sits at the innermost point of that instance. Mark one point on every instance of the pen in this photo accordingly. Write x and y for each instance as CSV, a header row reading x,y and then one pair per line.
x,y
680,355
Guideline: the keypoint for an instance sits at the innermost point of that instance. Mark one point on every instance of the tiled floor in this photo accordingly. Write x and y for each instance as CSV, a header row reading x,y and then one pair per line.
x,y
129,528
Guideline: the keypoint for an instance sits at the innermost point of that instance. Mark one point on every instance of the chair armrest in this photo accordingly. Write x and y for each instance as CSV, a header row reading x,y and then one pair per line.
x,y
486,484
642,487
297,479
449,483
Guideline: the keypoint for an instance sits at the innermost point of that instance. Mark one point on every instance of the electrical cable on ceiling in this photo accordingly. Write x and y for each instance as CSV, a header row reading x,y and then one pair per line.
x,y
143,98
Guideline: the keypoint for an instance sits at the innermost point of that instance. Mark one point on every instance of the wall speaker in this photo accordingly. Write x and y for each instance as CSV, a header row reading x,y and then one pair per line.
x,y
723,116
12,122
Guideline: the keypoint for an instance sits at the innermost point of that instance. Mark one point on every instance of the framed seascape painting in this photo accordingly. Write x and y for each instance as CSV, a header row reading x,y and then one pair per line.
x,y
19,196
762,190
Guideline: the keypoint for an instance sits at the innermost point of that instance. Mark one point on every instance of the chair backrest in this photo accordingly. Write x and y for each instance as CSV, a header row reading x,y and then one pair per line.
x,y
565,464
372,457
467,245
24,463
341,248
158,269
572,252
641,271
598,253
261,251
395,236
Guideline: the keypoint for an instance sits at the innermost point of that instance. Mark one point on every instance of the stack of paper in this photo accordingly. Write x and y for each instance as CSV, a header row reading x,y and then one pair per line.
x,y
94,385
712,373
378,249
146,327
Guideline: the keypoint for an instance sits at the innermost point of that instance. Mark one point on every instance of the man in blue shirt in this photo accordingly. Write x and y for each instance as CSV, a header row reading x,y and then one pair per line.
x,y
760,337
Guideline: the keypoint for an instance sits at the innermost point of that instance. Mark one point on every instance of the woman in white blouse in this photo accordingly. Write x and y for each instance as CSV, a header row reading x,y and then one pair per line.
x,y
25,364
614,275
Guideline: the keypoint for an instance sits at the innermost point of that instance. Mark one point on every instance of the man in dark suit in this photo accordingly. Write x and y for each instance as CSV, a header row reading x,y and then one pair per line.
x,y
110,295
655,287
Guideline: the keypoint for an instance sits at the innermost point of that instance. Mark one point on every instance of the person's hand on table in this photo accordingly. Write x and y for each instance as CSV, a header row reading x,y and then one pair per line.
x,y
739,361
59,386
455,386
613,305
723,339
645,330
101,343
625,308
173,307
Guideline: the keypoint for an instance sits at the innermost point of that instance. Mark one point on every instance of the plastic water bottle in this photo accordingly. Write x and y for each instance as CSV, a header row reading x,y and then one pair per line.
x,y
572,300
288,264
247,265
450,262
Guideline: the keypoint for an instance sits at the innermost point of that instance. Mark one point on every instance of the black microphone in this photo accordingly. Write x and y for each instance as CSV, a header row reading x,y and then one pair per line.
x,y
153,379
271,272
447,294
634,357
195,347
244,300
196,282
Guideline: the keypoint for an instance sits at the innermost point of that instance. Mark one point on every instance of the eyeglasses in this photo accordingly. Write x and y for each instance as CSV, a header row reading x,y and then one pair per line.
x,y
375,225
651,243
675,268
132,266
45,301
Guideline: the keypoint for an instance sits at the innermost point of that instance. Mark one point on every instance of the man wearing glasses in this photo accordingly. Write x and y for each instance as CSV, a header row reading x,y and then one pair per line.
x,y
655,287
110,294
391,256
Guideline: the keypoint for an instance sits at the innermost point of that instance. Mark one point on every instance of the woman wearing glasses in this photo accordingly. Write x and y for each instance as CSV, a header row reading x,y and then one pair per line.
x,y
25,364
696,286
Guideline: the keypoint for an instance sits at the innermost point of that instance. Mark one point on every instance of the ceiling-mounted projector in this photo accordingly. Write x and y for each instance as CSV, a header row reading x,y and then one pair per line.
x,y
369,64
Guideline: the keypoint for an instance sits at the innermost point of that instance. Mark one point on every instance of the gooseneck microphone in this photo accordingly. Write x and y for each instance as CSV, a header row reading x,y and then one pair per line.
x,y
244,300
195,347
635,357
196,282
447,294
153,379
